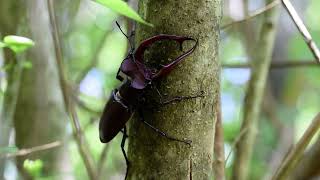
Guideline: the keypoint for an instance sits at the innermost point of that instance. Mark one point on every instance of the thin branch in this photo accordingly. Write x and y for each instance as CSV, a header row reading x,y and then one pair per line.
x,y
248,30
294,155
276,65
235,142
219,164
308,167
302,28
254,14
85,107
90,123
69,104
23,152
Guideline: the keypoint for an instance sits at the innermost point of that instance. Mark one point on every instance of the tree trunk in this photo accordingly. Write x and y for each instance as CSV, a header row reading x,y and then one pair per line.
x,y
9,24
152,156
40,116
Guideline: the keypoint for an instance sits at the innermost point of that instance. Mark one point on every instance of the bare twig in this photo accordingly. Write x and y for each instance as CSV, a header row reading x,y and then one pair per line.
x,y
219,164
294,155
235,142
69,104
23,152
308,167
276,65
302,28
254,14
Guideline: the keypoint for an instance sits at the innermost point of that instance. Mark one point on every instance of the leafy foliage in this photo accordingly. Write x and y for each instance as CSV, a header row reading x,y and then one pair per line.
x,y
17,44
122,8
2,45
33,167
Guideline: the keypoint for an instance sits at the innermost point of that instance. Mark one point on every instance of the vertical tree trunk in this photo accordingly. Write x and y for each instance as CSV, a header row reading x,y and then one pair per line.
x,y
40,114
155,157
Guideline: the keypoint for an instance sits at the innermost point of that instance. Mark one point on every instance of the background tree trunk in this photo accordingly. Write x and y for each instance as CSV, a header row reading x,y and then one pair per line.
x,y
280,100
253,99
151,155
40,116
9,24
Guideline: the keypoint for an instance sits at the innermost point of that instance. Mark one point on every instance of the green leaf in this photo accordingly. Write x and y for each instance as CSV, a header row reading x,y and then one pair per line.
x,y
33,167
123,8
18,44
2,45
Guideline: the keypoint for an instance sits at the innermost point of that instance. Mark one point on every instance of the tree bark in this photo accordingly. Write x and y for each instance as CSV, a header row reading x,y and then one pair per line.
x,y
40,116
152,156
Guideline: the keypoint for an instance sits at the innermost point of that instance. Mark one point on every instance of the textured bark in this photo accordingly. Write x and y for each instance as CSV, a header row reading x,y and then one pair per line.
x,y
153,156
255,92
40,117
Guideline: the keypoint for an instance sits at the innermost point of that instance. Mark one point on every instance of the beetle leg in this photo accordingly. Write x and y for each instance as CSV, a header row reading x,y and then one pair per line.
x,y
124,133
161,132
123,141
153,86
181,98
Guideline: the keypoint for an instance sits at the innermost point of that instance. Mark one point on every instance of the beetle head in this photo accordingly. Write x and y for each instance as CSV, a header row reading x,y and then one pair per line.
x,y
135,71
133,65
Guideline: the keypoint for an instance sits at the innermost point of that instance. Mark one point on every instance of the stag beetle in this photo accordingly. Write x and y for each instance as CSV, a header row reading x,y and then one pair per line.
x,y
136,77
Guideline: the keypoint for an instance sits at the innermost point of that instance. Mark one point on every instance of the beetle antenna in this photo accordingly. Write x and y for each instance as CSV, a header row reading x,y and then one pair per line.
x,y
121,30
129,38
